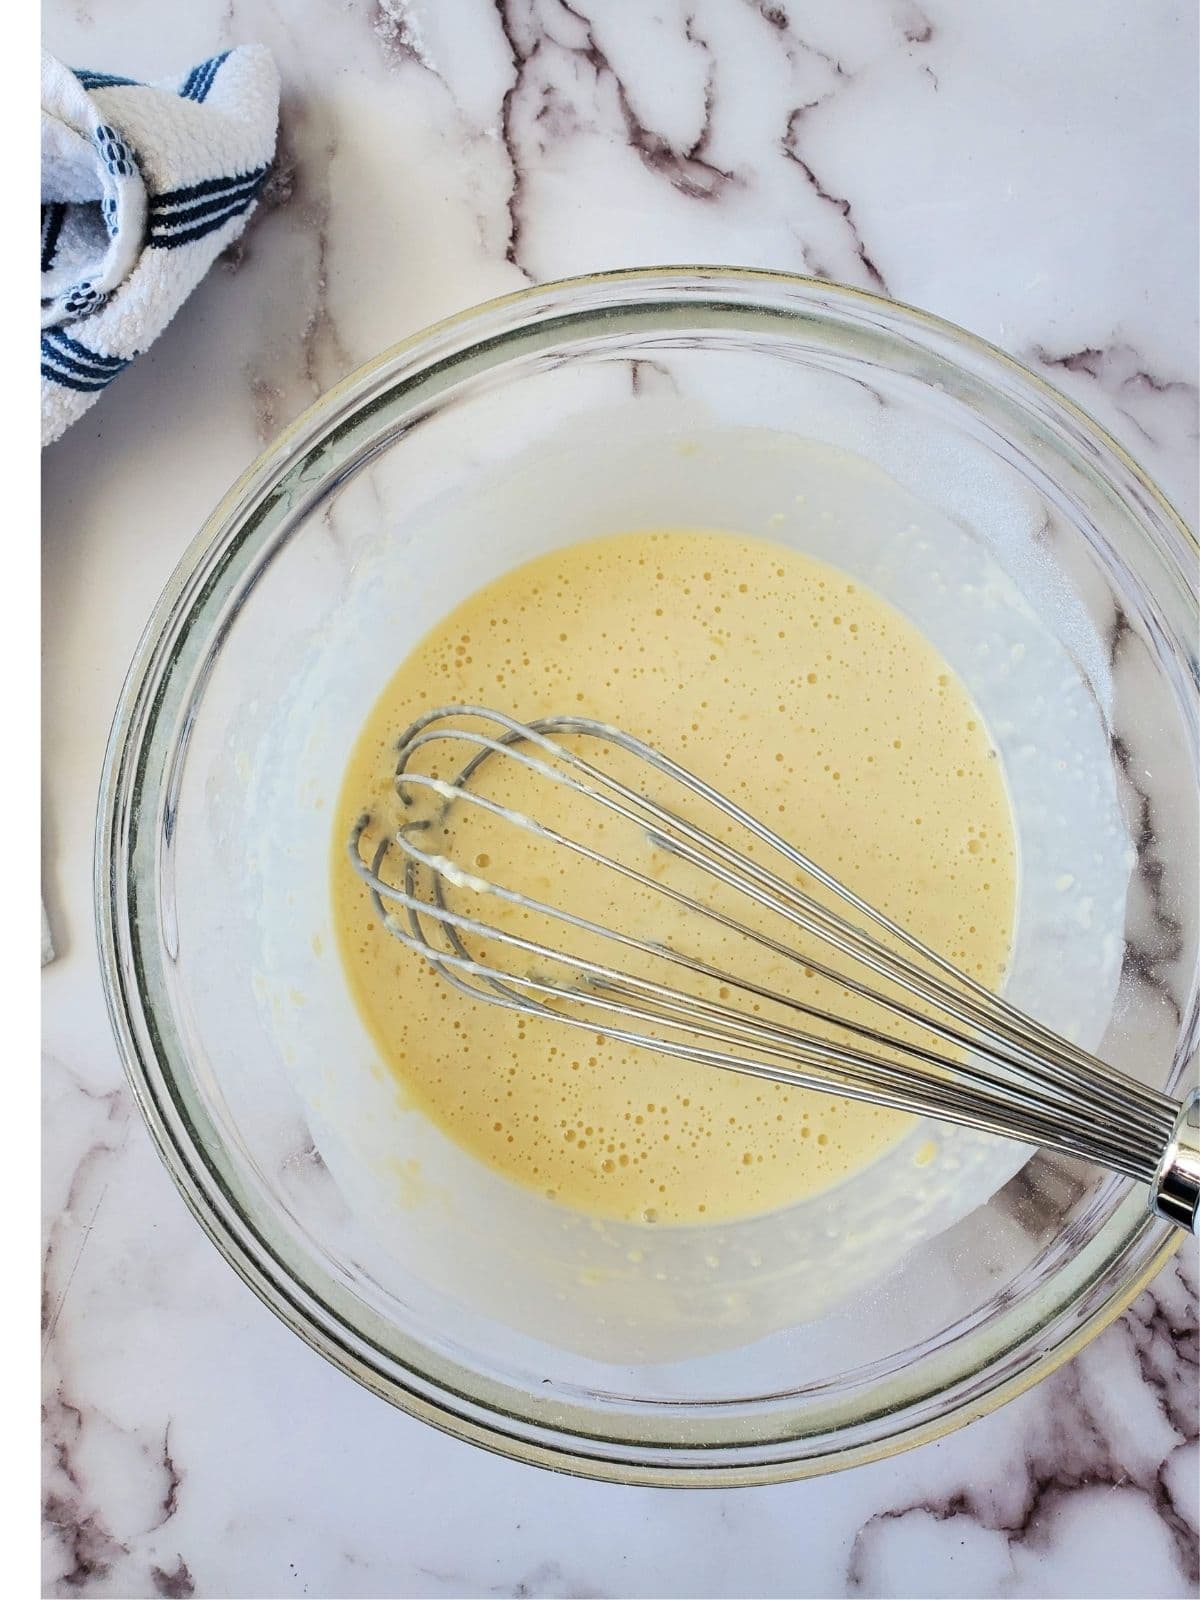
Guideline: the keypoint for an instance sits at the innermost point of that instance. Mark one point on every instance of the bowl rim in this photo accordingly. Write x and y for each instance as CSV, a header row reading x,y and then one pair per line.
x,y
234,1236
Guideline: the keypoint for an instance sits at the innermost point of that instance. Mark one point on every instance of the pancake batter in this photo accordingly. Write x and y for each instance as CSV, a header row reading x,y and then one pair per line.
x,y
812,703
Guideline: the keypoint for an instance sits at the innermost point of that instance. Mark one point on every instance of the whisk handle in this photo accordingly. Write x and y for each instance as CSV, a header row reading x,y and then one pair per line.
x,y
1175,1192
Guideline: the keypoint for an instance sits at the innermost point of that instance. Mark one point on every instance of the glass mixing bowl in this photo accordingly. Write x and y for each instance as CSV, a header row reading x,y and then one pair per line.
x,y
1024,542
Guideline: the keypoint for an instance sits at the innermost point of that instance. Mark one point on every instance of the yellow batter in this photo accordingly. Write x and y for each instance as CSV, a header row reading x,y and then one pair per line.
x,y
817,707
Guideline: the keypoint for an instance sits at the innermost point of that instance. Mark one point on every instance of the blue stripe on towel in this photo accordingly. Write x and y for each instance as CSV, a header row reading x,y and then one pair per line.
x,y
53,213
182,216
181,199
189,235
235,193
200,79
67,362
83,353
114,152
69,381
104,80
202,209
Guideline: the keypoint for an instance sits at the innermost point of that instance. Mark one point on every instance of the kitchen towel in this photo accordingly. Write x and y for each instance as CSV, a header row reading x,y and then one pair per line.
x,y
143,185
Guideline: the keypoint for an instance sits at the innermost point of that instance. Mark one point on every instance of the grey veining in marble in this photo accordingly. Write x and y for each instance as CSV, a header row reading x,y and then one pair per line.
x,y
1021,168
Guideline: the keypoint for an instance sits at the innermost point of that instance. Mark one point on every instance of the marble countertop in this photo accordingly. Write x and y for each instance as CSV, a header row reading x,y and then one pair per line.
x,y
1022,168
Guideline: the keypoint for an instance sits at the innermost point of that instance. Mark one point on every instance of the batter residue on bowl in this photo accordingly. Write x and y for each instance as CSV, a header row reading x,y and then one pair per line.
x,y
816,706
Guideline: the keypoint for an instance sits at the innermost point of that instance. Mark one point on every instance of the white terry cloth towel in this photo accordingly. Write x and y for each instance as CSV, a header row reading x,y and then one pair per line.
x,y
143,185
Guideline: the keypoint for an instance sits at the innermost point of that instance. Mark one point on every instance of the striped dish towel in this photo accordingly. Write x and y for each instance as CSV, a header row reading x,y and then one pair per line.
x,y
143,185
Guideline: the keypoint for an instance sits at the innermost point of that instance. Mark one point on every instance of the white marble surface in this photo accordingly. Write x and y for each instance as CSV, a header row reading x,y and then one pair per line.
x,y
1022,168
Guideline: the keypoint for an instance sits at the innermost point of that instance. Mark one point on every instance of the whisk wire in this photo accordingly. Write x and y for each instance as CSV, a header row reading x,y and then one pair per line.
x,y
813,964
980,1006
1006,1074
700,849
614,991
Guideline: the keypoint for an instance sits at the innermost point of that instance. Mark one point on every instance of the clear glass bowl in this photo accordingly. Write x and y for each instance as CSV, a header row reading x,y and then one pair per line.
x,y
1023,540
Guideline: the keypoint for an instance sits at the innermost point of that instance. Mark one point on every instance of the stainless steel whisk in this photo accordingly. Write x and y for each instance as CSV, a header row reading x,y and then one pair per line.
x,y
944,1045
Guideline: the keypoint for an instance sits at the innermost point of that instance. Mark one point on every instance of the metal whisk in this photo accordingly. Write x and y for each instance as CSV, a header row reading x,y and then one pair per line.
x,y
927,1038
